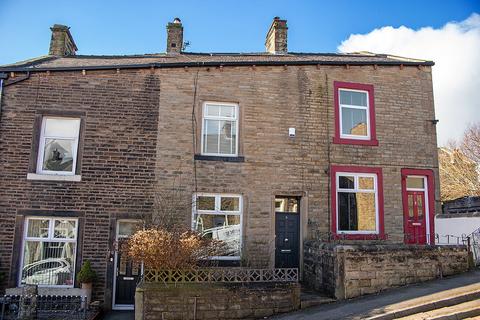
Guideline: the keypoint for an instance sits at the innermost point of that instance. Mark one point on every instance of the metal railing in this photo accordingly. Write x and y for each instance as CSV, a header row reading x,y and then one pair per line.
x,y
41,307
225,275
396,237
475,246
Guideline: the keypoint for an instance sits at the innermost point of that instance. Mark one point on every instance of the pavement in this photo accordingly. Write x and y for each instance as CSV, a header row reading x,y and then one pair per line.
x,y
363,307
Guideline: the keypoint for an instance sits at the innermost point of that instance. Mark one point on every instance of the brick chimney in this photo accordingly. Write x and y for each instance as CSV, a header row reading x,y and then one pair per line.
x,y
61,43
276,41
174,36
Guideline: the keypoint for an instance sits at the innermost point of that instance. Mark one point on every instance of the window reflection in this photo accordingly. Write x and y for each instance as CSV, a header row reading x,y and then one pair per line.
x,y
49,251
225,228
415,182
286,204
356,211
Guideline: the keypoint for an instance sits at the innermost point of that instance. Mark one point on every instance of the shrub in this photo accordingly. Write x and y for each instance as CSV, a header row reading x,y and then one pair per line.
x,y
86,273
159,248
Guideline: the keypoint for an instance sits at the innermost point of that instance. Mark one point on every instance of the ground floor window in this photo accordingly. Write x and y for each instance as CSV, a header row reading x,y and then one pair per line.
x,y
49,250
357,201
219,216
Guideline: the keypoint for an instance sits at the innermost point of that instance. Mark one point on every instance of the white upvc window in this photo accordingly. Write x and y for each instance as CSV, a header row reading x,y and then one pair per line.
x,y
220,129
357,203
49,251
219,217
354,114
58,145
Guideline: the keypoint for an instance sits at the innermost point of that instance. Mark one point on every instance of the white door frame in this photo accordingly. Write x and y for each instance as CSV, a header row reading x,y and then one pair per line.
x,y
426,202
115,261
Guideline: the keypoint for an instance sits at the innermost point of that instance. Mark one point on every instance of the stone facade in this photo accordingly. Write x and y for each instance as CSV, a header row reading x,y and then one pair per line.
x,y
348,271
214,301
138,140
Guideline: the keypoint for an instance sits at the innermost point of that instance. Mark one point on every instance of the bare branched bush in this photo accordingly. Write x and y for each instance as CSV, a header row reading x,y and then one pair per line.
x,y
460,165
458,175
166,242
470,144
161,249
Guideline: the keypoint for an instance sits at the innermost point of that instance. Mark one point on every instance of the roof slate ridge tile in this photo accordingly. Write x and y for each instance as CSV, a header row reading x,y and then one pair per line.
x,y
163,60
31,62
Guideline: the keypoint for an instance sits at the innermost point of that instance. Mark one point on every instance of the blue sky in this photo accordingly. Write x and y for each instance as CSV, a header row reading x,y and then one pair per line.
x,y
445,31
125,27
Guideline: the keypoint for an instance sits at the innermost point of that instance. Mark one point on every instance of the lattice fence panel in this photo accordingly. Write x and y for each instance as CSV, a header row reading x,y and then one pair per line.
x,y
226,275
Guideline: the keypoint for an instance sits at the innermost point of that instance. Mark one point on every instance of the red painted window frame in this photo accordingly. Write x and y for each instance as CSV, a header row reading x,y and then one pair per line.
x,y
333,195
371,106
431,196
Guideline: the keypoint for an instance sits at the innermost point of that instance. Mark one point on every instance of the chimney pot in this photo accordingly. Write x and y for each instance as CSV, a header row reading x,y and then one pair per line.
x,y
61,42
175,36
276,40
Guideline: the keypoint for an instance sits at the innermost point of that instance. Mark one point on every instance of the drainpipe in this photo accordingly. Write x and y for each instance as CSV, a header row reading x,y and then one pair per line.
x,y
3,76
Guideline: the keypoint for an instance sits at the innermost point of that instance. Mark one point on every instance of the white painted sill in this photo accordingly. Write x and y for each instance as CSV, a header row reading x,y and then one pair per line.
x,y
54,177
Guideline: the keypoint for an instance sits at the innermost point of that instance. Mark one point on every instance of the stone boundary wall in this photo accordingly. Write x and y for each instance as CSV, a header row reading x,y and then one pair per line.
x,y
347,271
214,301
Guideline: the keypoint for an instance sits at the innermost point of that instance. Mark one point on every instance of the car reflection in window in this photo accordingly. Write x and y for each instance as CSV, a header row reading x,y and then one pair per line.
x,y
228,234
52,271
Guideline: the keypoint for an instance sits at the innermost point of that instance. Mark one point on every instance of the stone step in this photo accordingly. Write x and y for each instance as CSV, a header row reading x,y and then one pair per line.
x,y
455,312
427,303
311,299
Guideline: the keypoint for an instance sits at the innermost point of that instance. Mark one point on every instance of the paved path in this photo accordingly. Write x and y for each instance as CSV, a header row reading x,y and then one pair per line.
x,y
355,308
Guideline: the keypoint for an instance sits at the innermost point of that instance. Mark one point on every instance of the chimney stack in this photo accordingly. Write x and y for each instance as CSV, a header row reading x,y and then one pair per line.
x,y
61,43
175,36
276,41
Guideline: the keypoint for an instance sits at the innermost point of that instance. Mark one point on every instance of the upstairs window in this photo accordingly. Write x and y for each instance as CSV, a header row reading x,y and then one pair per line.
x,y
58,146
354,114
220,129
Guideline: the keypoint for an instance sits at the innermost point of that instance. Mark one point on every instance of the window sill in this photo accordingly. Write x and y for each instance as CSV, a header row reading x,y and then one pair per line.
x,y
53,177
373,142
219,158
356,236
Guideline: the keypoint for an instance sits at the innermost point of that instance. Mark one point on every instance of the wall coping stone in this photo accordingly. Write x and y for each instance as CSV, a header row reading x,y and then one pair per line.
x,y
335,247
230,286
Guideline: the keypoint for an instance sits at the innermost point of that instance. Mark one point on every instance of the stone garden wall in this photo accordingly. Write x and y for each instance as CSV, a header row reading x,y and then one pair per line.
x,y
347,271
214,300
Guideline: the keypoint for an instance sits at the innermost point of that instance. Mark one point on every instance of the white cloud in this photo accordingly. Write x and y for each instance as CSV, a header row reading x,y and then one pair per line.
x,y
455,49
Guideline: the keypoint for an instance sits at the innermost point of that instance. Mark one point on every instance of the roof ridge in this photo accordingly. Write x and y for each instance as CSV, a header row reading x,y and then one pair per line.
x,y
30,62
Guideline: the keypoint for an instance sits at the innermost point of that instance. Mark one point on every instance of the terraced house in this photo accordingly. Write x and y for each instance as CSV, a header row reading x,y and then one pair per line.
x,y
276,148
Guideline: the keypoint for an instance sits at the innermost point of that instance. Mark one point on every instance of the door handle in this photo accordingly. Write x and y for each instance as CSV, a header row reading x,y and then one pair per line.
x,y
285,251
416,224
128,278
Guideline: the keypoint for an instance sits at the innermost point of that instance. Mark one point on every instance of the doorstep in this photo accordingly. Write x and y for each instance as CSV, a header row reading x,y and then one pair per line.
x,y
310,298
119,315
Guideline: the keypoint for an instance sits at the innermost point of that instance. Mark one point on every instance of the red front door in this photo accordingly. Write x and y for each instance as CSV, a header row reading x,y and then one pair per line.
x,y
415,228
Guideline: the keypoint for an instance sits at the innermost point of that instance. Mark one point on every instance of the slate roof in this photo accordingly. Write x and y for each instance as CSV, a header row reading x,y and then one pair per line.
x,y
206,59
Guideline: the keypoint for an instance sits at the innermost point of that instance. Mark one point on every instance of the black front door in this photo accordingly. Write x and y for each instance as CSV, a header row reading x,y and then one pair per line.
x,y
127,276
287,232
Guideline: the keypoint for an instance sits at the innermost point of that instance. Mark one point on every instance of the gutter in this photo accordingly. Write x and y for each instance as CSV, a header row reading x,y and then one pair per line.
x,y
218,64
